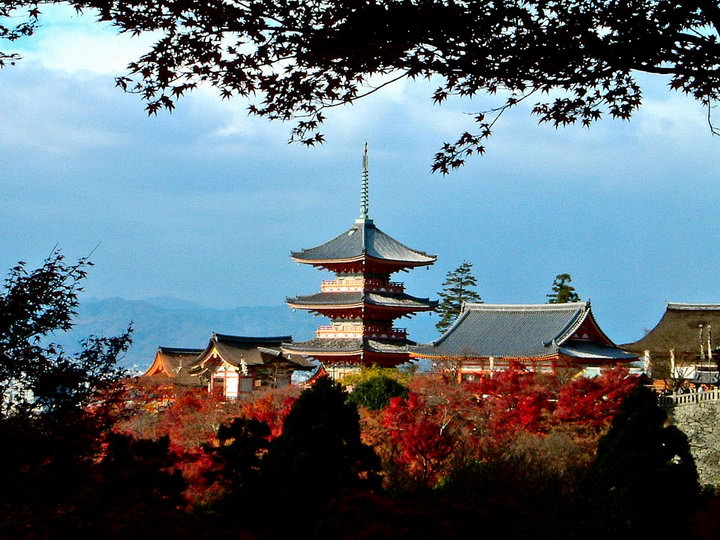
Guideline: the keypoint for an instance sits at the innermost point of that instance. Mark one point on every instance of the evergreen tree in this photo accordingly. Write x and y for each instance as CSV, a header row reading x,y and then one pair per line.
x,y
562,291
639,462
318,457
458,288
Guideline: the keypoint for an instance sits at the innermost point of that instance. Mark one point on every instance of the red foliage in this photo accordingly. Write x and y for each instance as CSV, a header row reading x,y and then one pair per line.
x,y
190,418
422,443
515,400
272,408
442,423
196,464
587,406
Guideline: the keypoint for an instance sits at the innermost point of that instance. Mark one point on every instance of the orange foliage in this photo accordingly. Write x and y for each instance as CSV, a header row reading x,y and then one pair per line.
x,y
271,407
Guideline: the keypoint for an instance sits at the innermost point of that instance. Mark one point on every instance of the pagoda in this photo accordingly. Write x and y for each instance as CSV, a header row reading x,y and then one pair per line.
x,y
362,302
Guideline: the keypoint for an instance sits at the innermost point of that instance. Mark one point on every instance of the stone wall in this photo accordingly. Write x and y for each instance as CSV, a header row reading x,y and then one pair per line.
x,y
701,423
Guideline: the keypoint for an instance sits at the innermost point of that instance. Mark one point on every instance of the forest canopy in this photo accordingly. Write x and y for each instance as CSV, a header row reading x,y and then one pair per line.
x,y
574,61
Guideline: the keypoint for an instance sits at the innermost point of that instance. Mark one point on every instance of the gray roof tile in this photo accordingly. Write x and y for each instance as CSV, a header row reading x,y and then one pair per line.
x,y
255,351
349,345
363,238
351,298
516,331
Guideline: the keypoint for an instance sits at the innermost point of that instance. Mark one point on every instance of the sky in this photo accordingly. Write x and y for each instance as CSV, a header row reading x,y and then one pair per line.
x,y
206,204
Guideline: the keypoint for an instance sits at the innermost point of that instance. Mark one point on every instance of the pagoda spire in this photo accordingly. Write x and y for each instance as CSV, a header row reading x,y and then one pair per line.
x,y
364,186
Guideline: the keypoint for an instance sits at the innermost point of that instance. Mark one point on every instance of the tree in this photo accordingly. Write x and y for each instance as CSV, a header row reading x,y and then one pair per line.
x,y
457,289
375,393
37,378
638,462
298,59
422,443
319,456
563,292
63,471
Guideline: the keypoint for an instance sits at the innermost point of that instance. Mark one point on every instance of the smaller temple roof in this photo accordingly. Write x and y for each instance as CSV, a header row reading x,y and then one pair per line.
x,y
593,351
397,300
363,239
170,365
254,351
524,331
679,329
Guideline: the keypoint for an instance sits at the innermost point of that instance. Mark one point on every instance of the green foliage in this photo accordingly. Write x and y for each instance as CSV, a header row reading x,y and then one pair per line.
x,y
457,289
562,291
375,393
36,376
238,453
367,373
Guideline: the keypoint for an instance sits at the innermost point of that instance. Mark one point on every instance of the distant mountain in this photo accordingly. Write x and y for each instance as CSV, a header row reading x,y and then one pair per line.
x,y
172,322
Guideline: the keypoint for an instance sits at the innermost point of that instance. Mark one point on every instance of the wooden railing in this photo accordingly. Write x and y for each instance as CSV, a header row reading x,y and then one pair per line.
x,y
355,331
360,284
691,397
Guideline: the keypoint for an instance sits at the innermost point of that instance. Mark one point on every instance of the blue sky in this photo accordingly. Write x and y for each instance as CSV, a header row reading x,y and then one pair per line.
x,y
205,204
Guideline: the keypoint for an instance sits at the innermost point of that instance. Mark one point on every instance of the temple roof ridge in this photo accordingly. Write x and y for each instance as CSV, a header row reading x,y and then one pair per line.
x,y
690,306
566,306
364,238
250,340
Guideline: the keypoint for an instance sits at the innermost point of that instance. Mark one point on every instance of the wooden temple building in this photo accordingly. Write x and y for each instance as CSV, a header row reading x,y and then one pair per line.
x,y
362,302
171,366
232,365
682,347
542,337
228,366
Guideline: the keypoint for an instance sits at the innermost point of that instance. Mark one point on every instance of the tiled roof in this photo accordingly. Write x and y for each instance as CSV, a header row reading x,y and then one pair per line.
x,y
679,329
354,298
254,351
364,239
174,362
582,350
349,345
516,331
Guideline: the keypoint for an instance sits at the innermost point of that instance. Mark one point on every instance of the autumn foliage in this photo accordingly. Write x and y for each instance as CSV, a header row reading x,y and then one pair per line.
x,y
442,425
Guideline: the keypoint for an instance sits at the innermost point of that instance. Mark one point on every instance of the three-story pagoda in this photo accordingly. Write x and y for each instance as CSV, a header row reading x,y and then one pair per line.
x,y
362,302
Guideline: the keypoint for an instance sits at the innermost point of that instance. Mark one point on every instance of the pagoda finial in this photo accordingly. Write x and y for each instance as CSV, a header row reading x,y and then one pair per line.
x,y
364,186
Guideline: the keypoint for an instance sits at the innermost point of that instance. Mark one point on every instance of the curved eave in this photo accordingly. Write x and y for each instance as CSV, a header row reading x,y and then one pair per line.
x,y
360,305
157,369
325,352
595,360
469,357
366,258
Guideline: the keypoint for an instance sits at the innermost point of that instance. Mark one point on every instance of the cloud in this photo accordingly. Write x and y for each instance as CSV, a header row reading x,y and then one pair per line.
x,y
77,43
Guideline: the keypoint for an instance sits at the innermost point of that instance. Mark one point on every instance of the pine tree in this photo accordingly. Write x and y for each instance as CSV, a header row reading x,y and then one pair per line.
x,y
562,291
458,288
